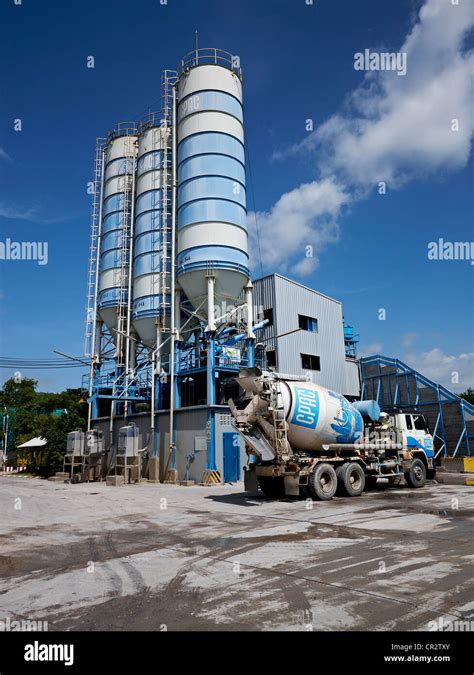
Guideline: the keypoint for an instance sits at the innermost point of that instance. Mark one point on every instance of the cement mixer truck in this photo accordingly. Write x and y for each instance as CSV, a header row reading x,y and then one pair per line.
x,y
305,440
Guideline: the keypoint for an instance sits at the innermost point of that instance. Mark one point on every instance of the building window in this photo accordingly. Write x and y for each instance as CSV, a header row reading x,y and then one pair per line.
x,y
271,359
308,323
268,314
310,362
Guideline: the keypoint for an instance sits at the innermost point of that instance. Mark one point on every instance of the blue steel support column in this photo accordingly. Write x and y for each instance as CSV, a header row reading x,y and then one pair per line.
x,y
250,341
250,352
118,404
440,409
466,434
177,399
211,401
157,406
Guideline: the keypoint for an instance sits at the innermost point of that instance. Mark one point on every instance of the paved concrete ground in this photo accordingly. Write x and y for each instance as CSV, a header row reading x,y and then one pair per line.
x,y
91,557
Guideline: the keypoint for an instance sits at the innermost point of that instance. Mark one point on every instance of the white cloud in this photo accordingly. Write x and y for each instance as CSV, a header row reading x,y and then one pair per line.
x,y
306,216
408,339
455,372
4,155
371,349
13,213
393,129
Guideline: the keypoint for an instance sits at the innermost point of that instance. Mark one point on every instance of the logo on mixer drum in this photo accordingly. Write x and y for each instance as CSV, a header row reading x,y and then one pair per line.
x,y
306,410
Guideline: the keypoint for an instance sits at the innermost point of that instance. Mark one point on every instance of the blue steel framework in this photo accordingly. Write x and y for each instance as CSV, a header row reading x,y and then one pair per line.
x,y
397,395
205,352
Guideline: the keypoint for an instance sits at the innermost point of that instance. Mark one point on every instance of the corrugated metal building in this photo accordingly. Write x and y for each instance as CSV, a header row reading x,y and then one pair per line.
x,y
305,335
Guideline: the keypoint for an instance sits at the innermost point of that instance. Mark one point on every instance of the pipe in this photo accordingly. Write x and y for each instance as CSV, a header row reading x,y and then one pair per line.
x,y
129,289
249,302
211,322
177,312
173,274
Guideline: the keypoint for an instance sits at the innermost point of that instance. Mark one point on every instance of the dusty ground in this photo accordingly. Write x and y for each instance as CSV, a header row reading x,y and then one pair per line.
x,y
91,557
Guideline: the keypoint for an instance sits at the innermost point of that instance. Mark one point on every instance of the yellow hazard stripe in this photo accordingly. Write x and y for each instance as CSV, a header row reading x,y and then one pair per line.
x,y
211,477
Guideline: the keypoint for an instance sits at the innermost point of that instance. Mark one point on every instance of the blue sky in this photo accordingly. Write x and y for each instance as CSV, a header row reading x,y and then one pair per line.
x,y
308,188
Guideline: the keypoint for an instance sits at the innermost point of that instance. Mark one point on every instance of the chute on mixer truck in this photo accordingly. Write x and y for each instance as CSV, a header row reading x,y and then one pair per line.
x,y
303,439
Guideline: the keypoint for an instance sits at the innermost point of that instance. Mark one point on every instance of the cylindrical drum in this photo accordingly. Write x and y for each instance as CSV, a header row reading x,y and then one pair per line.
x,y
115,228
212,234
317,416
152,242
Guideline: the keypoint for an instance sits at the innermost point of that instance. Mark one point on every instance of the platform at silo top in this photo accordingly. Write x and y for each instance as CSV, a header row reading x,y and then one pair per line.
x,y
93,557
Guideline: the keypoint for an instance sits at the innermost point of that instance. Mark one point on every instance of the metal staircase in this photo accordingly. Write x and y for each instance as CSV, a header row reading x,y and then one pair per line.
x,y
168,81
397,386
123,281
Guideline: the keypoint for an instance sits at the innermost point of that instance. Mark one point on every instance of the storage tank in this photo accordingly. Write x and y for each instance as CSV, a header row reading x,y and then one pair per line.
x,y
94,442
75,443
211,218
120,157
128,441
317,416
152,242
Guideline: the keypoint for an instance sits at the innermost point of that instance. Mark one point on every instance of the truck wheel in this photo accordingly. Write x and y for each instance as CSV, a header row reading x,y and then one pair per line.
x,y
350,479
416,476
273,488
322,483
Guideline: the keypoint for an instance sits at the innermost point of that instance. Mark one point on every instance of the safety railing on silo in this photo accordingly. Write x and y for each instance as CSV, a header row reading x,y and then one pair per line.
x,y
211,56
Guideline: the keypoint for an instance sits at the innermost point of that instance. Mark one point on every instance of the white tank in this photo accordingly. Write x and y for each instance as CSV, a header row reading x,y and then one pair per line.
x,y
317,416
115,227
212,234
152,236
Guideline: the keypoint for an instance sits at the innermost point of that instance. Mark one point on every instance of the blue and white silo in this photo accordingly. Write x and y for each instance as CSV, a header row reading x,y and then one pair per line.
x,y
212,250
117,211
152,236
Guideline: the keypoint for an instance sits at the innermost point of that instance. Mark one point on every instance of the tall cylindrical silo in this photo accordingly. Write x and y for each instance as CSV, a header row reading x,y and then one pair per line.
x,y
115,228
152,237
211,219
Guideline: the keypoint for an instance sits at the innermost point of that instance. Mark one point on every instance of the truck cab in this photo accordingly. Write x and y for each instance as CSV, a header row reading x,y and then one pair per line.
x,y
414,434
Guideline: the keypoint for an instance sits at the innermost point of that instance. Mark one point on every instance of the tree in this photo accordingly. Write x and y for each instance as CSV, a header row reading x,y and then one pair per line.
x,y
468,395
50,415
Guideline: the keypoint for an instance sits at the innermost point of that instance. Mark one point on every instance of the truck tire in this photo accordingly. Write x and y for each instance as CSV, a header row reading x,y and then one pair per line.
x,y
322,482
273,488
350,479
416,476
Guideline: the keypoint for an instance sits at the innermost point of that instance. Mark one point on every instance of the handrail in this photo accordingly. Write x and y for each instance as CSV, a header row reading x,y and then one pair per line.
x,y
210,56
122,129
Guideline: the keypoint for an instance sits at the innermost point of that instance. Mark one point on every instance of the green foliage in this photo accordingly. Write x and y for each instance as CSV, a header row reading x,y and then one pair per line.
x,y
468,395
32,413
